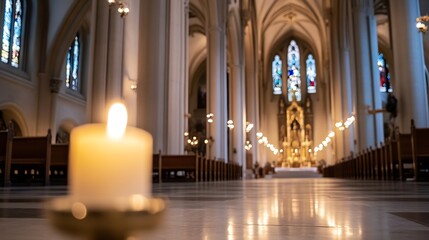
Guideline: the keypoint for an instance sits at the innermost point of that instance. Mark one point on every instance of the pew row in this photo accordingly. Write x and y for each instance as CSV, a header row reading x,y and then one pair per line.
x,y
5,150
420,152
59,164
30,160
192,168
36,161
393,160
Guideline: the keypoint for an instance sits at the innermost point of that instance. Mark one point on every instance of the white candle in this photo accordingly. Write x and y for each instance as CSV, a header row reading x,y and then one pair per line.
x,y
107,164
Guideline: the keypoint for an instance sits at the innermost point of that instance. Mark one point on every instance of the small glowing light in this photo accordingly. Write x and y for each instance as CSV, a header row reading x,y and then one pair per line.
x,y
138,202
331,134
210,117
259,134
249,126
79,210
230,124
186,134
206,141
117,121
421,27
123,10
338,124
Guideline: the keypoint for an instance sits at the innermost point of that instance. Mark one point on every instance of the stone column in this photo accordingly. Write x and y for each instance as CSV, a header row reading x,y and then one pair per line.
x,y
369,126
99,29
55,86
238,114
408,81
115,42
342,75
217,88
152,74
251,95
177,73
44,110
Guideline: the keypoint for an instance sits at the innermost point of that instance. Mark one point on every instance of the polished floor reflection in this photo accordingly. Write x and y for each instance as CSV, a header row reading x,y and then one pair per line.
x,y
254,209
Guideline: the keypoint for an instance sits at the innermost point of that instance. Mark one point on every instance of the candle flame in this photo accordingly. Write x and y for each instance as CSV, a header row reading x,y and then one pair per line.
x,y
117,120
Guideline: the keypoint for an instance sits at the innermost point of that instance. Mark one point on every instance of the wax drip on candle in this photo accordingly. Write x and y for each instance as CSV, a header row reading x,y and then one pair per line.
x,y
117,121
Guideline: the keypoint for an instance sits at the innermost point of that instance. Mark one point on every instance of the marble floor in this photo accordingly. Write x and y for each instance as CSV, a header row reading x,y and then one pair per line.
x,y
292,208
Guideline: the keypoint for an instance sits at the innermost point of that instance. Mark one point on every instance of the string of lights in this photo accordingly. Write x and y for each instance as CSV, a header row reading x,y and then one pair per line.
x,y
341,126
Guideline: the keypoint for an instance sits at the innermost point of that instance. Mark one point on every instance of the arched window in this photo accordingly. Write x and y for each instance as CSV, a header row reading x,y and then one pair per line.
x,y
277,75
12,31
383,69
311,74
72,65
294,76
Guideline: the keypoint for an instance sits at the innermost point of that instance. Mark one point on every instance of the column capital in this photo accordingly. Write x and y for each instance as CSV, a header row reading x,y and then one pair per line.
x,y
55,84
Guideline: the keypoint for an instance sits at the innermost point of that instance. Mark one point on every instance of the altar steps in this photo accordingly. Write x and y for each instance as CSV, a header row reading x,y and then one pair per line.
x,y
305,172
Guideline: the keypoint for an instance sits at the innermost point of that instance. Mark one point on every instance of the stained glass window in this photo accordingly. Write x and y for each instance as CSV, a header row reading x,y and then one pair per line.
x,y
294,76
383,69
12,32
311,74
72,65
277,75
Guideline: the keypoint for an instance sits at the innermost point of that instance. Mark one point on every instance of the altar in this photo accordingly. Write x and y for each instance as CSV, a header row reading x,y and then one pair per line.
x,y
295,133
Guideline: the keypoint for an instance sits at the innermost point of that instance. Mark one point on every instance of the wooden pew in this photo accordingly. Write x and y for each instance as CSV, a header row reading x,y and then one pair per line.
x,y
360,166
59,164
371,164
30,160
393,158
156,167
386,167
210,169
202,168
180,168
405,156
420,152
368,166
5,151
380,162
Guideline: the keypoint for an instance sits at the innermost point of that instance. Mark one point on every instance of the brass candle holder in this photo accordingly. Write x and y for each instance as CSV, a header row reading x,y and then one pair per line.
x,y
114,223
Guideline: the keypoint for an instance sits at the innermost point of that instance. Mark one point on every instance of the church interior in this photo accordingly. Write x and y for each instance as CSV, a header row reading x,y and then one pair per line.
x,y
238,119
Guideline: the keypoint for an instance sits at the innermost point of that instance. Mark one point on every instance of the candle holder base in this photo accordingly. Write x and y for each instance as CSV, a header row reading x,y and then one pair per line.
x,y
116,223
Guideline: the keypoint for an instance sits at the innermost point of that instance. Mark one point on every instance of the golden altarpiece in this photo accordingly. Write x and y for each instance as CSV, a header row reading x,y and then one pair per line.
x,y
295,124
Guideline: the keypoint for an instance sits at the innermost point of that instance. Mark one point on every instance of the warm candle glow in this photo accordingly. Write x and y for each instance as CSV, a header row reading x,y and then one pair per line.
x,y
117,121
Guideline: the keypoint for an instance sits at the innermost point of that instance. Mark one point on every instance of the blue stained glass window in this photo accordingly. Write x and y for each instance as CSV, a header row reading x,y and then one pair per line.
x,y
383,69
72,65
16,40
277,75
12,32
7,22
294,75
311,74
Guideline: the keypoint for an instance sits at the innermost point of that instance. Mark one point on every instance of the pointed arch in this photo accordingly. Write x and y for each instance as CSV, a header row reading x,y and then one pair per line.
x,y
15,113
